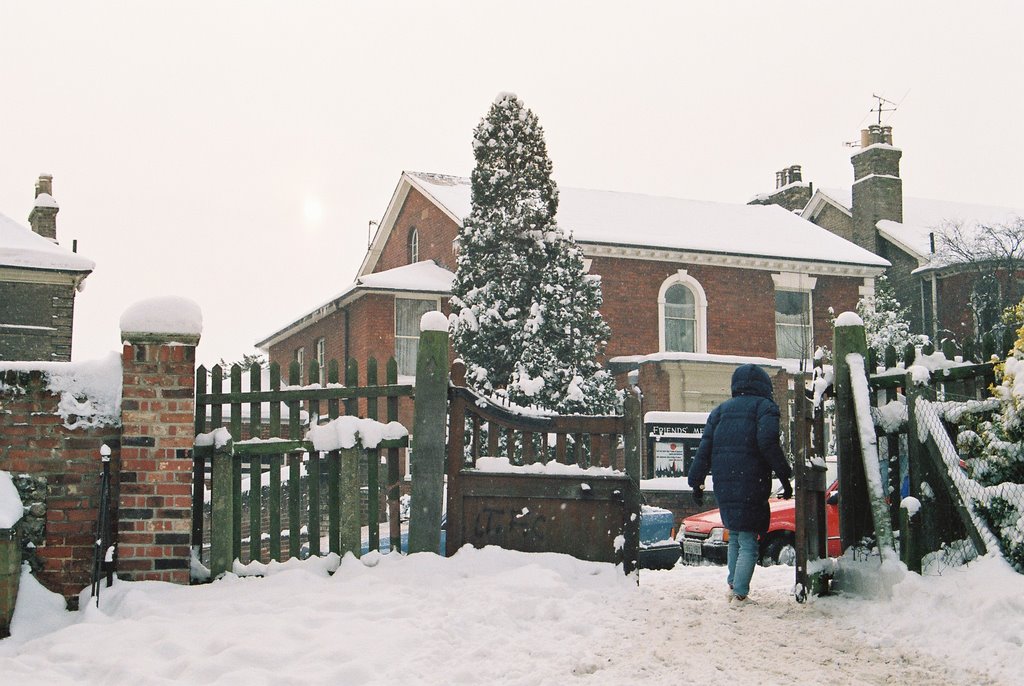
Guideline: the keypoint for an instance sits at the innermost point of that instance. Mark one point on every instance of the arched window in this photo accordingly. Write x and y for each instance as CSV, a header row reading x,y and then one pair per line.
x,y
680,320
414,245
683,315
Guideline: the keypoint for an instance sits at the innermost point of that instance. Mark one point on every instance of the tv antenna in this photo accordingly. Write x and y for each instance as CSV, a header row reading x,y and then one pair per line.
x,y
882,102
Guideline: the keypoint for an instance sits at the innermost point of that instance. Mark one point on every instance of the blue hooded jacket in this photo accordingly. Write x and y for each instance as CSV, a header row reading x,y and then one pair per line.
x,y
741,449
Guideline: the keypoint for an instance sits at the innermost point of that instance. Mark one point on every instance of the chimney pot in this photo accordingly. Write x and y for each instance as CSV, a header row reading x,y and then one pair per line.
x,y
865,138
44,184
795,174
778,179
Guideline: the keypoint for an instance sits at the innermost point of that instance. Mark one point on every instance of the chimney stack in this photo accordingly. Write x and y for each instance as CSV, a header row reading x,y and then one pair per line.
x,y
43,217
877,192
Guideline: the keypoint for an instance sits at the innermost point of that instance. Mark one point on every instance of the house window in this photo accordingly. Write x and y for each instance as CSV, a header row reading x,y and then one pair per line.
x,y
680,320
300,357
321,359
414,245
793,335
682,308
408,312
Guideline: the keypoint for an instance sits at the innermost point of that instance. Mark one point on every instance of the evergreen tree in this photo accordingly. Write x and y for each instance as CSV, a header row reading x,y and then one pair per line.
x,y
527,323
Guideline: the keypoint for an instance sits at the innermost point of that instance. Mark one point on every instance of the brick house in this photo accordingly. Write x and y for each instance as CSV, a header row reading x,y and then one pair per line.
x,y
874,214
691,289
38,282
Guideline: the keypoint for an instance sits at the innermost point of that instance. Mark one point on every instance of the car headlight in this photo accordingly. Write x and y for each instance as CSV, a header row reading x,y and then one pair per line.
x,y
718,535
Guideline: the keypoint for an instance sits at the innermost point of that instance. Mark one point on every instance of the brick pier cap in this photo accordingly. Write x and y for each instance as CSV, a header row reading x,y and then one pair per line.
x,y
162,319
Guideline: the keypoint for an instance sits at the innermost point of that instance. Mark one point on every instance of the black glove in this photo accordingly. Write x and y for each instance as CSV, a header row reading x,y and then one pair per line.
x,y
698,495
787,490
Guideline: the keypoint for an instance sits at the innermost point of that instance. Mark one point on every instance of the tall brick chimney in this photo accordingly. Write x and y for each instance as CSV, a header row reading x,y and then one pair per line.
x,y
43,217
877,187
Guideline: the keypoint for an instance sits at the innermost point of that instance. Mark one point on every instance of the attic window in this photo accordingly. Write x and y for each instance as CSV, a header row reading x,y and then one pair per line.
x,y
414,245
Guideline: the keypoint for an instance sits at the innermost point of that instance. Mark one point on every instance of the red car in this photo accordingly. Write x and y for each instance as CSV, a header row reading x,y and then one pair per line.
x,y
704,538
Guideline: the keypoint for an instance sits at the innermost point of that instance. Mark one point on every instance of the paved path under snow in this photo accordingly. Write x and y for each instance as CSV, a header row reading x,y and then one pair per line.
x,y
698,637
497,618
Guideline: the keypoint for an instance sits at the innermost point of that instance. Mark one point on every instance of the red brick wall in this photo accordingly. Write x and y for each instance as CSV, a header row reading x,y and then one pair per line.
x,y
33,440
741,306
155,504
331,328
436,233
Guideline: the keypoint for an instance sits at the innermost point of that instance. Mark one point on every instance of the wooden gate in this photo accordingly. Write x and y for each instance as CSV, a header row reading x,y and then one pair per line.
x,y
567,484
293,489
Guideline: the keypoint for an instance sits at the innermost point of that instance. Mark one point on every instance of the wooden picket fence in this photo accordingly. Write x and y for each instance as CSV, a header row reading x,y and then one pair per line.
x,y
902,453
912,464
266,441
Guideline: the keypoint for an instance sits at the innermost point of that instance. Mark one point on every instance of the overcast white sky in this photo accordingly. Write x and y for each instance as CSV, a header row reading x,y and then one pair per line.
x,y
234,153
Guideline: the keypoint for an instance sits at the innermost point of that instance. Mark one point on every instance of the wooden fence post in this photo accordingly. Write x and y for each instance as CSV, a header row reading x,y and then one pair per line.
x,y
911,527
855,520
428,448
631,438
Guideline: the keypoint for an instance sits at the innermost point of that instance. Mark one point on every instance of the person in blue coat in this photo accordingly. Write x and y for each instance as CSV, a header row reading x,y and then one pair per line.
x,y
741,449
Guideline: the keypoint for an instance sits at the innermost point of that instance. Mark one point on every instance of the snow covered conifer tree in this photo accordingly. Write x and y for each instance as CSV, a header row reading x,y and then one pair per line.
x,y
526,322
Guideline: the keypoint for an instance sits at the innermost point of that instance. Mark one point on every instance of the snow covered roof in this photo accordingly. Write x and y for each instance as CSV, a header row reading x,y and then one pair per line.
x,y
424,277
637,220
922,217
20,246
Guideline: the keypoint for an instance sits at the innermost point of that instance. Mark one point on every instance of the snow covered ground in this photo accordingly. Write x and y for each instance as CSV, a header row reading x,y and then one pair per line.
x,y
498,617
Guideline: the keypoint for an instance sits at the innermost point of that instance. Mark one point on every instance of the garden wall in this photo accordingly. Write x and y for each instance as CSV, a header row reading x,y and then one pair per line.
x,y
56,416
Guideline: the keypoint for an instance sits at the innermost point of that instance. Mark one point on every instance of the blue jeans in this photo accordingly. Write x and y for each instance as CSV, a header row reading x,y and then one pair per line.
x,y
741,560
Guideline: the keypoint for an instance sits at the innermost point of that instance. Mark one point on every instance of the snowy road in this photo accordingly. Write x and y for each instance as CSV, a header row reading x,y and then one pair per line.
x,y
497,617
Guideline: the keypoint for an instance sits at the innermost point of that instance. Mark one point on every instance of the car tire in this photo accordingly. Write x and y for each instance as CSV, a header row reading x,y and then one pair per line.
x,y
780,550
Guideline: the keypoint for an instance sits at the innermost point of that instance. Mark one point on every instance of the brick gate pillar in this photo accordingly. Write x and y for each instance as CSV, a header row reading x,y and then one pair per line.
x,y
157,414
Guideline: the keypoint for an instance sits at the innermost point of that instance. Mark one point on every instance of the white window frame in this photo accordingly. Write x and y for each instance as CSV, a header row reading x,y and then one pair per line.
x,y
412,242
796,282
300,357
700,301
321,358
410,296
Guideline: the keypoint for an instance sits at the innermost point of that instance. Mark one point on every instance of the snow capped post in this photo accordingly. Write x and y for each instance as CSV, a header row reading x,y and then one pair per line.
x,y
157,413
854,511
426,463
